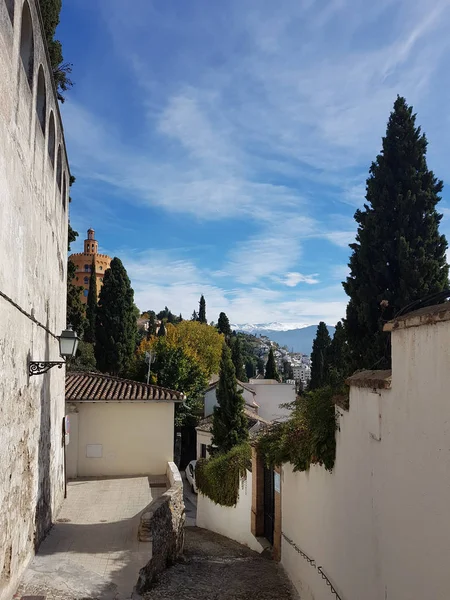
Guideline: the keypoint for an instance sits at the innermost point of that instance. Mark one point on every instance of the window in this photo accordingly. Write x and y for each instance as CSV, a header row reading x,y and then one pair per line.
x,y
86,280
203,450
10,9
85,293
101,268
27,43
86,268
51,139
64,192
41,99
58,168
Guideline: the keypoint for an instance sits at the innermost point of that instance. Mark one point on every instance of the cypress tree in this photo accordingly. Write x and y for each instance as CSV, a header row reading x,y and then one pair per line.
x,y
194,316
260,366
162,330
202,310
91,308
230,426
271,367
115,330
399,254
50,10
238,361
74,306
320,358
338,354
223,325
151,324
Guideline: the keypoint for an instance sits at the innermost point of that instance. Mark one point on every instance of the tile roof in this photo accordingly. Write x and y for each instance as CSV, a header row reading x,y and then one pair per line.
x,y
206,423
96,387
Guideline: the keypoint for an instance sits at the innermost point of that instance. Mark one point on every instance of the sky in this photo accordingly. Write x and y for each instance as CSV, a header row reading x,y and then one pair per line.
x,y
222,148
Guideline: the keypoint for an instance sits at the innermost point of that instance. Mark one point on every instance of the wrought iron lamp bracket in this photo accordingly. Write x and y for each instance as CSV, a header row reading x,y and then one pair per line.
x,y
40,367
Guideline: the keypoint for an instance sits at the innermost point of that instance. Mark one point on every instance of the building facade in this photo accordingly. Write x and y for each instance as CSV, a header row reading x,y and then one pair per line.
x,y
85,261
34,180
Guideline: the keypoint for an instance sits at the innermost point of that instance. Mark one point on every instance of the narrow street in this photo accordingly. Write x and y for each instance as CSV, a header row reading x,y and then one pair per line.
x,y
216,568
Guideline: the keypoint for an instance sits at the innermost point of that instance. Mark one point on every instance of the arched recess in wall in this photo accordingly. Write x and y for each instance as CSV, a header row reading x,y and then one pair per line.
x,y
58,168
27,43
51,138
10,9
41,99
64,191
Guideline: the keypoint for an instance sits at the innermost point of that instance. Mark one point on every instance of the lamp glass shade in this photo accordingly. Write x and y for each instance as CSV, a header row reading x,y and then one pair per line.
x,y
68,343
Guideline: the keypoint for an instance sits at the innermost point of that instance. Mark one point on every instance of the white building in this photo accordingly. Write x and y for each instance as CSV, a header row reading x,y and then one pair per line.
x,y
302,372
34,180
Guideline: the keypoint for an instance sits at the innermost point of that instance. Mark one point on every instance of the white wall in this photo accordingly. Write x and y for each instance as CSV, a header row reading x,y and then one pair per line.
x,y
203,437
233,522
136,438
269,398
211,401
379,523
33,251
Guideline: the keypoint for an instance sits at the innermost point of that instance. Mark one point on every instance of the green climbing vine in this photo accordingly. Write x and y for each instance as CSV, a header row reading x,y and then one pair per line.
x,y
219,477
307,437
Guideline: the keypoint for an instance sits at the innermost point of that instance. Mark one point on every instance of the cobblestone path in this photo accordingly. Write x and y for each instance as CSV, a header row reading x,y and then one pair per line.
x,y
216,568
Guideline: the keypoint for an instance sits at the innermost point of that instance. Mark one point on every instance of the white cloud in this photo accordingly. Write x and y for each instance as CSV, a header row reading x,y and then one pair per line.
x,y
294,278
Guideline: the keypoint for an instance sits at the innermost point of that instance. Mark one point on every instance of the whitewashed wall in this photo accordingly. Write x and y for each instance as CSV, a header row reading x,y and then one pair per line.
x,y
379,525
233,522
33,251
211,400
270,397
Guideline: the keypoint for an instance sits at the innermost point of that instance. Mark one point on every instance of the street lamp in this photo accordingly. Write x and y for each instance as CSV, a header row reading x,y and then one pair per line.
x,y
68,343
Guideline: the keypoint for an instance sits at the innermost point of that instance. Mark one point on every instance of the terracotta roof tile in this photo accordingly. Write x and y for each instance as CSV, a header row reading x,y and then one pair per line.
x,y
96,387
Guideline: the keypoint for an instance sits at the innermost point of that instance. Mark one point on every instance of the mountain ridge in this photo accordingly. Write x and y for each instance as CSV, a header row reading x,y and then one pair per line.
x,y
297,339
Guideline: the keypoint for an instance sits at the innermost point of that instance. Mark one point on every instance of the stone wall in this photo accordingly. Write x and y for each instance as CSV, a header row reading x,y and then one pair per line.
x,y
163,525
33,249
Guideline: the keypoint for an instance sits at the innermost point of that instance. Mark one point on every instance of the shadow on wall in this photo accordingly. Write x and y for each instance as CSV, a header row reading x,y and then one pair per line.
x,y
43,512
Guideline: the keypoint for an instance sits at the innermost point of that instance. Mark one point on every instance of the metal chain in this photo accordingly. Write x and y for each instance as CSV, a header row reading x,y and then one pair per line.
x,y
312,562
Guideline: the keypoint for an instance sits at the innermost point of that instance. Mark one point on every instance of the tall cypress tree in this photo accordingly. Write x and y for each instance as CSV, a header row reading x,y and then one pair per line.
x,y
223,325
50,10
320,357
116,328
202,310
399,254
230,426
236,357
75,308
162,330
91,307
271,367
338,355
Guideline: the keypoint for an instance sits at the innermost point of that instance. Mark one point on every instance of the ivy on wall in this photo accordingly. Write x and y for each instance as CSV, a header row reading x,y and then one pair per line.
x,y
307,437
219,477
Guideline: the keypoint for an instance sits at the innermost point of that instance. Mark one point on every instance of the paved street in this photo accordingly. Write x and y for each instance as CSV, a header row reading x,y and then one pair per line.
x,y
93,551
190,503
216,568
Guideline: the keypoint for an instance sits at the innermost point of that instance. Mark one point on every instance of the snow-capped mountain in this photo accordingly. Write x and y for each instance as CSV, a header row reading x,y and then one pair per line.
x,y
260,327
298,337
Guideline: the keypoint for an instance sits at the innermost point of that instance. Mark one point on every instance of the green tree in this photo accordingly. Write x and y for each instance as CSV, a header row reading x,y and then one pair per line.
x,y
236,357
74,306
271,367
151,324
250,367
202,310
260,366
85,358
50,11
399,254
91,307
116,328
230,426
162,330
223,326
194,316
320,358
338,356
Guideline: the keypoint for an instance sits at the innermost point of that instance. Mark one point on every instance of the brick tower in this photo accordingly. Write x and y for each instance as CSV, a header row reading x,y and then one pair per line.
x,y
83,262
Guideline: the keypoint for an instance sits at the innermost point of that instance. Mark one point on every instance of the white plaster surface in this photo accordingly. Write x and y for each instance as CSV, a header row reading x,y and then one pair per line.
x,y
378,525
136,438
33,247
270,397
233,522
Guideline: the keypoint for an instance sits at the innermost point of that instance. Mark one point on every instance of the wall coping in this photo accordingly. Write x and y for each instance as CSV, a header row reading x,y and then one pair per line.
x,y
371,379
428,315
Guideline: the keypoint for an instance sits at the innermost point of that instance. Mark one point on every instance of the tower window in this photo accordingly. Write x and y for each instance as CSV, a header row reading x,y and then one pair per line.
x,y
86,268
85,293
86,280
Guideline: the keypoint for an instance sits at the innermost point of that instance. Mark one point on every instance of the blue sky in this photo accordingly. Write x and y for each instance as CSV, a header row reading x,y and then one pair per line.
x,y
221,148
